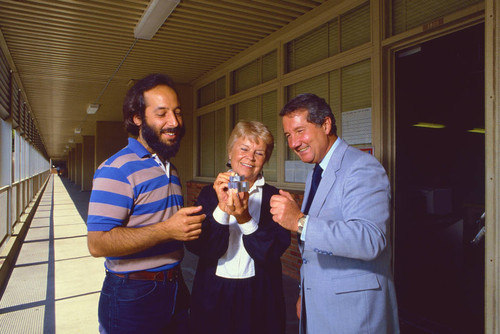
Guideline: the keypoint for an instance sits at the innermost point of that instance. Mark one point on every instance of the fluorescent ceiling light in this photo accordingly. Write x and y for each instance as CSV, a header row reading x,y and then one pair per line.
x,y
429,125
409,52
92,108
153,18
476,130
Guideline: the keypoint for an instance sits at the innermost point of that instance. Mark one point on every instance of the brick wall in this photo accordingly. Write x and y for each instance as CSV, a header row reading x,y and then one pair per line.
x,y
291,259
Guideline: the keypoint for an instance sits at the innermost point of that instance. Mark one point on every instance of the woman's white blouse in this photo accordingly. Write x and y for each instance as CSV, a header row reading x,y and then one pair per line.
x,y
236,262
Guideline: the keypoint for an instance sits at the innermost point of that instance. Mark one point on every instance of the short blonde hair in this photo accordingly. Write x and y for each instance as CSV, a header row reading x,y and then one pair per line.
x,y
256,132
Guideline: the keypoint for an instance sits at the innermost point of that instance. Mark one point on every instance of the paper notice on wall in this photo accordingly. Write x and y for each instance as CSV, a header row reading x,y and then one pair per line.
x,y
357,126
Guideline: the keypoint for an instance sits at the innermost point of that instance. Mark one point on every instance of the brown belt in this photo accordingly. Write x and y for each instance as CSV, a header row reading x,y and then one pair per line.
x,y
166,275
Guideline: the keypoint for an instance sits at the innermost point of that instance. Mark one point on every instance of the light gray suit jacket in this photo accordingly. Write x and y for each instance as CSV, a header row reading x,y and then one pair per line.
x,y
346,279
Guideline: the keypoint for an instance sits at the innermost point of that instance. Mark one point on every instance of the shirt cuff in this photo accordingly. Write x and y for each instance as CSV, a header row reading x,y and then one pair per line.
x,y
304,229
220,216
249,227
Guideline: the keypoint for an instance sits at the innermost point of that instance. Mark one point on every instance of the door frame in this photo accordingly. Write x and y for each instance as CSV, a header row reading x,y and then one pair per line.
x,y
488,13
492,123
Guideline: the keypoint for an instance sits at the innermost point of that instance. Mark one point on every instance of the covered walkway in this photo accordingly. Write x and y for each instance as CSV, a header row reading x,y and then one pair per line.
x,y
55,283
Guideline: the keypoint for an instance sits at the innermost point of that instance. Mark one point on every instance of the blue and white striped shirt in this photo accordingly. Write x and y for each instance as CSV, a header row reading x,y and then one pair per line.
x,y
132,189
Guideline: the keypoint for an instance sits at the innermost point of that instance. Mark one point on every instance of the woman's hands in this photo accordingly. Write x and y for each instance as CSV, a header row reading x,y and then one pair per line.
x,y
230,201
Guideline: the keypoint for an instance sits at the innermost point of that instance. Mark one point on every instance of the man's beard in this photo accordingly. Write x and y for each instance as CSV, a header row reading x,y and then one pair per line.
x,y
164,151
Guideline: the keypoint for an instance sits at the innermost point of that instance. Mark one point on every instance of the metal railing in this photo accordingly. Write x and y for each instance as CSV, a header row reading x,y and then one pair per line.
x,y
15,199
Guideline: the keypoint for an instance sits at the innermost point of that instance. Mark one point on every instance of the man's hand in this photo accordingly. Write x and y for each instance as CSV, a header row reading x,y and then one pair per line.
x,y
184,225
285,210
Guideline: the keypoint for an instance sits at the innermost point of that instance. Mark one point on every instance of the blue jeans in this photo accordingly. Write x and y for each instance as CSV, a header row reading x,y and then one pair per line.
x,y
137,306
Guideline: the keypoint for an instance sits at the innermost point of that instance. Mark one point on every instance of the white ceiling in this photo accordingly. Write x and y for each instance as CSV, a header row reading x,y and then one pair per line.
x,y
65,52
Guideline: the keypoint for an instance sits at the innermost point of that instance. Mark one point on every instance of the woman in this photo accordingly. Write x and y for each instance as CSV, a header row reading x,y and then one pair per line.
x,y
238,286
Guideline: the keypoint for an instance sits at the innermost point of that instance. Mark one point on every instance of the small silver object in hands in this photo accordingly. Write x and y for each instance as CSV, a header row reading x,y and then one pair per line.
x,y
238,182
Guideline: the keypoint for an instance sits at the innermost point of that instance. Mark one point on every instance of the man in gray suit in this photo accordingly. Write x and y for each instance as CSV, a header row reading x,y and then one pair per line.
x,y
343,226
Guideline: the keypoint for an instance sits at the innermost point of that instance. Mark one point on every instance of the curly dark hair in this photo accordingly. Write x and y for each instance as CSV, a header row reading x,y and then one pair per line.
x,y
134,103
317,108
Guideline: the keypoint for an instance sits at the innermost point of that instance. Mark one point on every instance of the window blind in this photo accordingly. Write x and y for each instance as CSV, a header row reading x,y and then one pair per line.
x,y
4,87
408,14
356,86
333,37
212,92
308,48
355,27
270,119
246,77
334,99
324,41
206,128
270,66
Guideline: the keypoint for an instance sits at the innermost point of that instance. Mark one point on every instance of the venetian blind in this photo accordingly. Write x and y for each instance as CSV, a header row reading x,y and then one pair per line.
x,y
356,86
220,89
212,92
270,66
220,142
4,87
334,96
246,77
246,110
355,27
308,48
333,37
407,14
270,119
212,152
15,101
206,126
328,39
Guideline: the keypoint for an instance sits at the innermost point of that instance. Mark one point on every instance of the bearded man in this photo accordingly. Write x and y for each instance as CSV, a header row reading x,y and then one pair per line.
x,y
136,220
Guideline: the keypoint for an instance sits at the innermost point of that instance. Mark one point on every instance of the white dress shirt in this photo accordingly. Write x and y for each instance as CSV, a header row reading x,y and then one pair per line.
x,y
236,262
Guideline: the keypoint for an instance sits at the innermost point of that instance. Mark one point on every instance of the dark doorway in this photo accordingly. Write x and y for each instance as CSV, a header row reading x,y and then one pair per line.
x,y
439,189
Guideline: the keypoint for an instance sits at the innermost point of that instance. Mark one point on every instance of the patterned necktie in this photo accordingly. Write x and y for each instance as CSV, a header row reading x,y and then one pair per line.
x,y
316,178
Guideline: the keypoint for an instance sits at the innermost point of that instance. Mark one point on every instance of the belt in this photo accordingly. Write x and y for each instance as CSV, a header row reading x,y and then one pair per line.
x,y
165,275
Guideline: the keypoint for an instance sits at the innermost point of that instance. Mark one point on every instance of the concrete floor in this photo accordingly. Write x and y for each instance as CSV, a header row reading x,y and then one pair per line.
x,y
54,285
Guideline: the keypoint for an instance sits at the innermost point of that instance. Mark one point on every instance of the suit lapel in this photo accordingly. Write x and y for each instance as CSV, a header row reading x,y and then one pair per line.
x,y
329,177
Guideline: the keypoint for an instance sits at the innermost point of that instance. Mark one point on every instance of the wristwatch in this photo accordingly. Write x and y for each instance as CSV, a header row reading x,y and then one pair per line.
x,y
300,225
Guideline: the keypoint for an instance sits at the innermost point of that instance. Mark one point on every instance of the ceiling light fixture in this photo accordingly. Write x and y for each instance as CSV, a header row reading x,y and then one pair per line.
x,y
92,108
153,18
78,130
476,130
429,125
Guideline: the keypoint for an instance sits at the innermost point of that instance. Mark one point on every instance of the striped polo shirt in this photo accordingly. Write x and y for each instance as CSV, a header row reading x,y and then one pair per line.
x,y
133,189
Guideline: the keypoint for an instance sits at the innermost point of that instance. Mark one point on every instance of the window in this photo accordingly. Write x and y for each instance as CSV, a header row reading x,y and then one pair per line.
x,y
212,92
330,39
407,14
255,73
212,156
